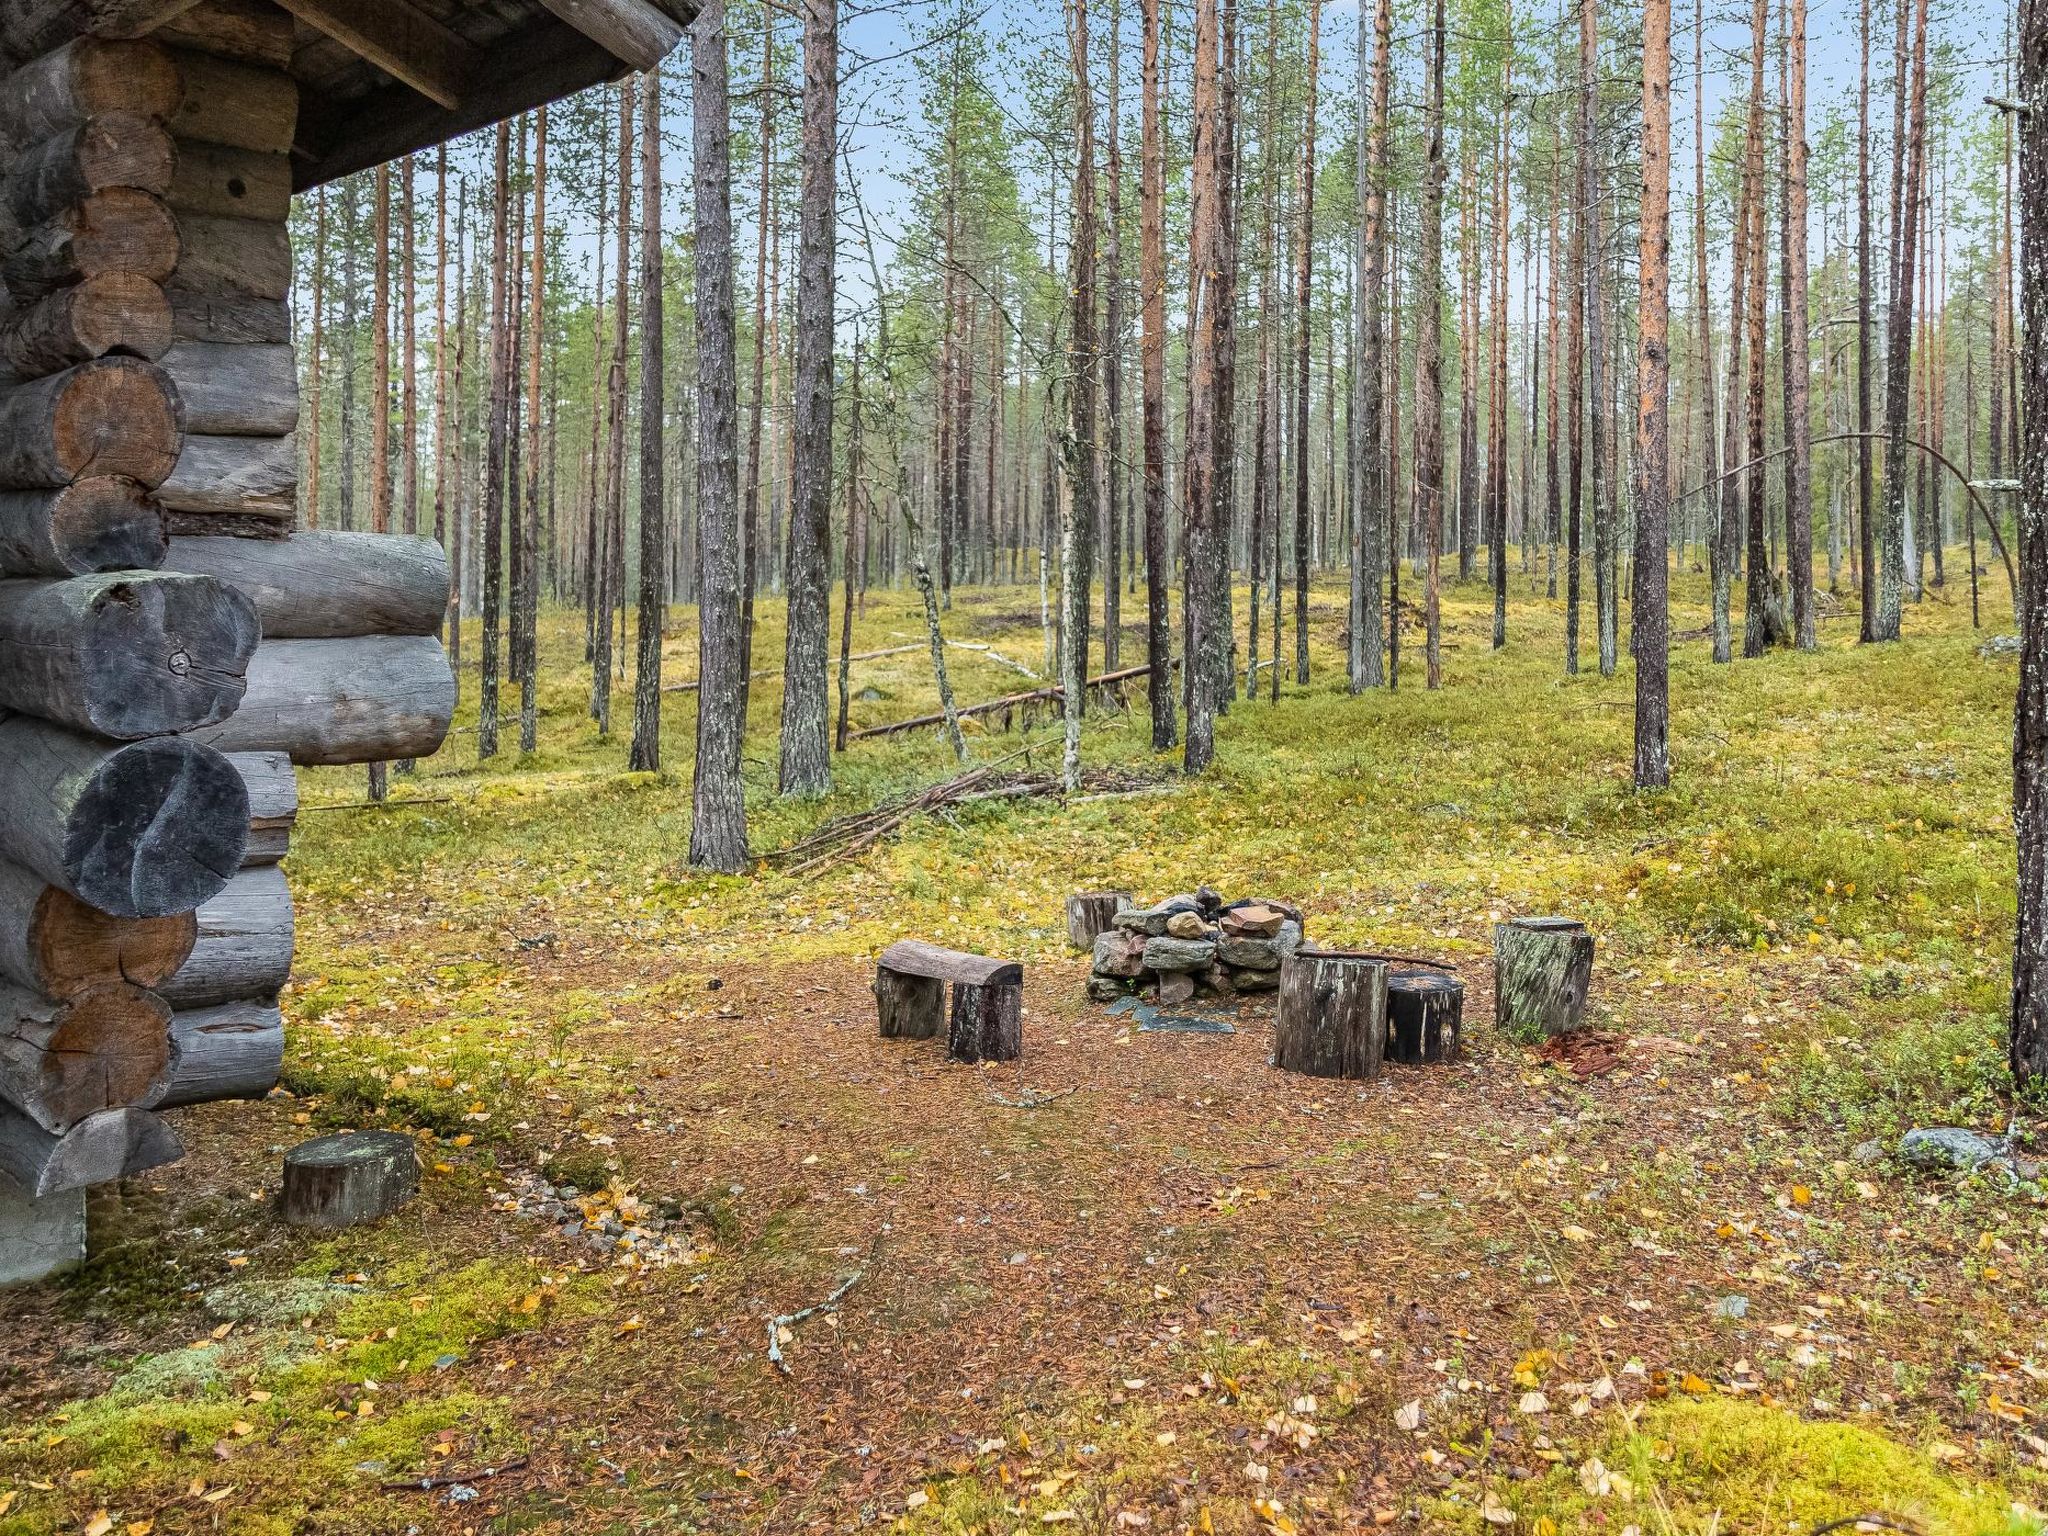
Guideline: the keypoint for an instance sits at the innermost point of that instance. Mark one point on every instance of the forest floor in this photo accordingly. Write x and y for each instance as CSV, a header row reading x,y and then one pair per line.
x,y
1134,1281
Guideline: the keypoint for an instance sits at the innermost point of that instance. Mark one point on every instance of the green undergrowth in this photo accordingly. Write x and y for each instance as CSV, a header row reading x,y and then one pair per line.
x,y
1691,1467
306,1395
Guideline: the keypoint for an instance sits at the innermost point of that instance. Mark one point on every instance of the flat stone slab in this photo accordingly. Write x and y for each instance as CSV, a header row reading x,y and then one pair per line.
x,y
1184,1024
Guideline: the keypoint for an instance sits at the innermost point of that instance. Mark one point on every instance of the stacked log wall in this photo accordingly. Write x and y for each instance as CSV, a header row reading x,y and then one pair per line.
x,y
167,649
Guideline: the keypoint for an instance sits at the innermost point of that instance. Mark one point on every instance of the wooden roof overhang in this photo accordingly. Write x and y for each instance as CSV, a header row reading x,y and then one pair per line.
x,y
383,78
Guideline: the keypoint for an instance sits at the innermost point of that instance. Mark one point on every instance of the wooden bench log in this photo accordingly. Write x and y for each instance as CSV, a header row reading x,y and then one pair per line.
x,y
1425,1016
1092,913
113,312
236,104
111,416
1542,973
141,829
233,1051
909,1007
219,181
370,699
125,654
113,149
113,1144
222,255
914,957
344,1181
54,944
273,804
119,231
1330,1018
233,391
987,1022
61,1059
322,585
86,78
100,523
244,945
248,477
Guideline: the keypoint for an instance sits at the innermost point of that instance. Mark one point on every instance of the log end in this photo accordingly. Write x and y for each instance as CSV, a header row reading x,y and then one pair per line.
x,y
106,523
158,828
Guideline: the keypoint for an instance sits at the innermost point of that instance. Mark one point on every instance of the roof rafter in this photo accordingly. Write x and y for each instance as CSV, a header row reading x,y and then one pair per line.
x,y
406,43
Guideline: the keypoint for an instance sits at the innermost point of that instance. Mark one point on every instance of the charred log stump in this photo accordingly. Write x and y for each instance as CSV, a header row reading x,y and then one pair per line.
x,y
1090,913
988,1022
1542,972
344,1181
1330,1019
1425,1015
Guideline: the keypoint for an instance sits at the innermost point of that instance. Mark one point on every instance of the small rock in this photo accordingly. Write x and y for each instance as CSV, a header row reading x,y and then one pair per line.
x,y
1175,988
1105,989
1217,978
1252,954
1732,1308
1256,981
1150,921
1867,1152
1170,954
1186,925
1947,1146
1118,953
1254,922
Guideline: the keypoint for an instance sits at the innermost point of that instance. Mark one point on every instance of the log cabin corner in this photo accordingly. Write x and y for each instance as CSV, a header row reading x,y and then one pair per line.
x,y
171,642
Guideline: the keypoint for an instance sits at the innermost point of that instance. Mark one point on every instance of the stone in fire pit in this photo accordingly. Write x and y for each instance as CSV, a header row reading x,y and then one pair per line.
x,y
1192,943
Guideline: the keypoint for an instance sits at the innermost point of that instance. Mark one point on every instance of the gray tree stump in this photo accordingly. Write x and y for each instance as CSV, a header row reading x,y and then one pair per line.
x,y
344,1181
1542,971
1090,913
1330,1019
988,1022
1425,1015
909,1007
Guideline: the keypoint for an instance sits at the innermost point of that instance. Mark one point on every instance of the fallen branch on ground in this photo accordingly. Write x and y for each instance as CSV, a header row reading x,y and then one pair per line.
x,y
1009,701
844,836
1032,1100
790,1320
446,1480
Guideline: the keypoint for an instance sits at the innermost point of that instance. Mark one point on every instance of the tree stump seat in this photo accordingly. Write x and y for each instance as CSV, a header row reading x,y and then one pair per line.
x,y
1425,1016
987,1018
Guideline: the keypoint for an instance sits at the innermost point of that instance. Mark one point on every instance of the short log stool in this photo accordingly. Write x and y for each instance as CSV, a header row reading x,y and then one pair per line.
x,y
1425,1013
987,1022
1542,971
344,1181
1330,1019
1092,913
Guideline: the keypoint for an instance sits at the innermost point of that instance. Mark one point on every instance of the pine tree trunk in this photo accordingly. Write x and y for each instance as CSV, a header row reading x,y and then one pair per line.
x,y
526,612
718,813
1111,458
1899,336
2028,1043
1152,365
1798,426
1604,595
646,749
1206,255
1650,622
494,446
1372,520
1429,360
1304,279
380,351
806,747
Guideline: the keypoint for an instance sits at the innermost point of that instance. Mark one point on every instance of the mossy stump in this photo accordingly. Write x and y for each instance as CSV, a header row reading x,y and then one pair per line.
x,y
1542,973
